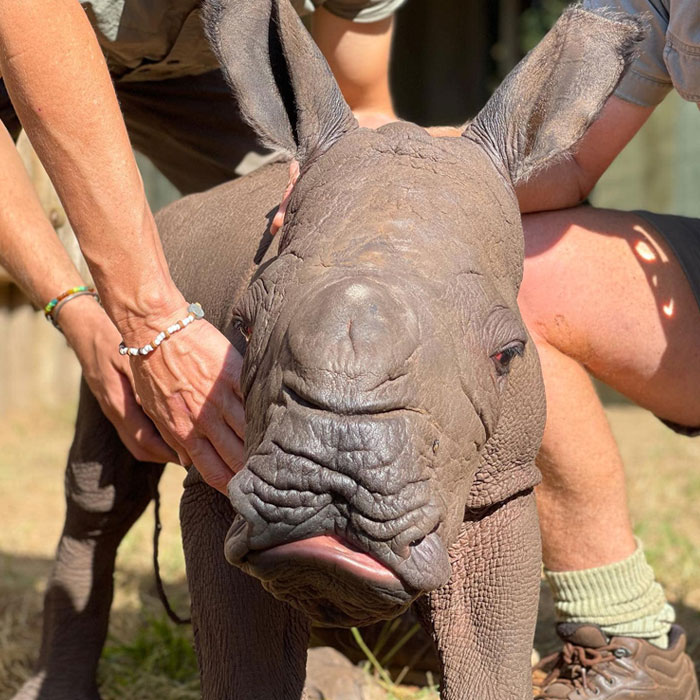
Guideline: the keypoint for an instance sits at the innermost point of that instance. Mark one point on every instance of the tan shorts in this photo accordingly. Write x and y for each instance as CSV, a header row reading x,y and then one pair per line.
x,y
189,127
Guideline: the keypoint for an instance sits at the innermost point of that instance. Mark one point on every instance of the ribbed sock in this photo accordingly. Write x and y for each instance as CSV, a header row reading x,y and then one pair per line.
x,y
623,598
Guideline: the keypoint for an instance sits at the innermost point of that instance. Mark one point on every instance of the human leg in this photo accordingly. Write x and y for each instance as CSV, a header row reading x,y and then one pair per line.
x,y
191,129
604,293
7,113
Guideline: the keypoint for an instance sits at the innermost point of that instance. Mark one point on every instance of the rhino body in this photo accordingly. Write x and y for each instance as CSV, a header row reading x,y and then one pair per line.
x,y
394,402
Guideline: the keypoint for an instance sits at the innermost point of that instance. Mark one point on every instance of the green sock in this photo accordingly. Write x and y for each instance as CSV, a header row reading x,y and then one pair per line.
x,y
623,598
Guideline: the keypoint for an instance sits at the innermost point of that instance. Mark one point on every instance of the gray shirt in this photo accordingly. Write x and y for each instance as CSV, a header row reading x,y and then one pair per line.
x,y
669,57
158,39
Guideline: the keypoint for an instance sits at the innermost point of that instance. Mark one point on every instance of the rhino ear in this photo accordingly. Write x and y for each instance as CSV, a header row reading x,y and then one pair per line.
x,y
283,85
546,104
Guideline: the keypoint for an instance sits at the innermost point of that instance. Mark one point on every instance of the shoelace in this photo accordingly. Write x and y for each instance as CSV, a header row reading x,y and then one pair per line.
x,y
573,664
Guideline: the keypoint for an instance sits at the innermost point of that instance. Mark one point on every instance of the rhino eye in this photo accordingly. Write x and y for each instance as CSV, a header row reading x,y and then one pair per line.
x,y
245,328
503,358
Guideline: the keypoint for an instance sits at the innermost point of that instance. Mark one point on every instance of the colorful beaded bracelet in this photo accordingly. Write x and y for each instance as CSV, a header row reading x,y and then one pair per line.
x,y
53,308
69,292
53,316
194,313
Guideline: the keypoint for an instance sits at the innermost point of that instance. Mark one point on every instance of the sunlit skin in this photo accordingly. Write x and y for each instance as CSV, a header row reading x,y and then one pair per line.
x,y
591,306
596,302
645,252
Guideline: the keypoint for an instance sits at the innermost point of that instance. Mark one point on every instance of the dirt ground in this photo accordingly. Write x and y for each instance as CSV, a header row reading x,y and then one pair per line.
x,y
148,658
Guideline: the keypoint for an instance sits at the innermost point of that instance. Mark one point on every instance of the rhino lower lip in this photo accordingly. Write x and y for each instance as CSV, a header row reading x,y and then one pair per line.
x,y
331,551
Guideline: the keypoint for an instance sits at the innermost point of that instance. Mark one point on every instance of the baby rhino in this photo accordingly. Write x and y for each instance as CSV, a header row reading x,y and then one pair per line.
x,y
394,402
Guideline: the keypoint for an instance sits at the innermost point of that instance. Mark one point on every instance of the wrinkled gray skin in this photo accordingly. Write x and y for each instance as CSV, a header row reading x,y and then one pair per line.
x,y
393,398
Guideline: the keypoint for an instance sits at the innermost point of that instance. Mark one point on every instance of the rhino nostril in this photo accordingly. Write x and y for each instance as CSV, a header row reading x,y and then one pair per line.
x,y
236,542
419,541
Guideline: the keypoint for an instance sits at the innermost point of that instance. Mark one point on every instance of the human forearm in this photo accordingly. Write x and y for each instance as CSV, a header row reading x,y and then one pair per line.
x,y
560,186
65,100
29,247
567,182
358,55
36,259
62,92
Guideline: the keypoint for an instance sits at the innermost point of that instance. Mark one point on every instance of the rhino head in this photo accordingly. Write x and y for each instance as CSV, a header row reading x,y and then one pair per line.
x,y
389,380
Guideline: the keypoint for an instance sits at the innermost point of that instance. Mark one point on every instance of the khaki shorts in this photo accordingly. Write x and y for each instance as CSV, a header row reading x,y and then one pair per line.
x,y
189,127
682,234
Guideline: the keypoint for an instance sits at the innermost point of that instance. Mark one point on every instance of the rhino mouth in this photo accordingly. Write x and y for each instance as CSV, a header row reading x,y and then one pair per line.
x,y
337,515
328,551
326,577
332,582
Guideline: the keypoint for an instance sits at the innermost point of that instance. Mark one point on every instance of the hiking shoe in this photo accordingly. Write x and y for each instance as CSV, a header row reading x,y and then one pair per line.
x,y
620,668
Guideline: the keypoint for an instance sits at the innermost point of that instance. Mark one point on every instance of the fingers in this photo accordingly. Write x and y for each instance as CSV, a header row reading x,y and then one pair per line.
x,y
209,464
233,413
278,219
442,131
190,388
146,445
136,430
217,455
372,119
229,448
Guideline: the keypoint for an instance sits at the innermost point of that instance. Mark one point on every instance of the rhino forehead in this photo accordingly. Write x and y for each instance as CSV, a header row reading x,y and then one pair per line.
x,y
435,204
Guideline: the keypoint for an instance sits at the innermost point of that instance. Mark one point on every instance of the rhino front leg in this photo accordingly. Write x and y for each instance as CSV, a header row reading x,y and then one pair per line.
x,y
249,645
483,619
106,491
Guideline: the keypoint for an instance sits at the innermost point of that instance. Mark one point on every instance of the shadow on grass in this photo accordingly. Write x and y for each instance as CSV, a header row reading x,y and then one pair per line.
x,y
147,656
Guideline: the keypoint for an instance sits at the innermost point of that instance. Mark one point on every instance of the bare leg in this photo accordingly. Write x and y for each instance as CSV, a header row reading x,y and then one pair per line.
x,y
602,291
106,491
483,619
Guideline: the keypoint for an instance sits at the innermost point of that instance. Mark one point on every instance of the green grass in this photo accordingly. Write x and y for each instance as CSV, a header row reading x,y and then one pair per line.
x,y
159,648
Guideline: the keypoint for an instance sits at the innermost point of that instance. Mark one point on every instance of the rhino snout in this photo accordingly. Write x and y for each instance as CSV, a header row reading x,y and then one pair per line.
x,y
343,555
334,582
350,337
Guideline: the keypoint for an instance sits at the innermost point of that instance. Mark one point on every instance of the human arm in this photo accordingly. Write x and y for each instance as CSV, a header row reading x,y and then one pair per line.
x,y
568,182
644,85
62,92
34,256
358,54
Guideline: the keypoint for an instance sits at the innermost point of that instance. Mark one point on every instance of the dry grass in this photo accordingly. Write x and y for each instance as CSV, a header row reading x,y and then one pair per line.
x,y
148,658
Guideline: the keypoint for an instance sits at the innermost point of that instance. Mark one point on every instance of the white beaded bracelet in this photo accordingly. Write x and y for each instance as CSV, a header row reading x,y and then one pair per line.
x,y
194,313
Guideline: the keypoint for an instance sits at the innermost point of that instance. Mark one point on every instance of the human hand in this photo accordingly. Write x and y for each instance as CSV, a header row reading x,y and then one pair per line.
x,y
367,119
95,339
189,386
372,119
278,218
441,131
